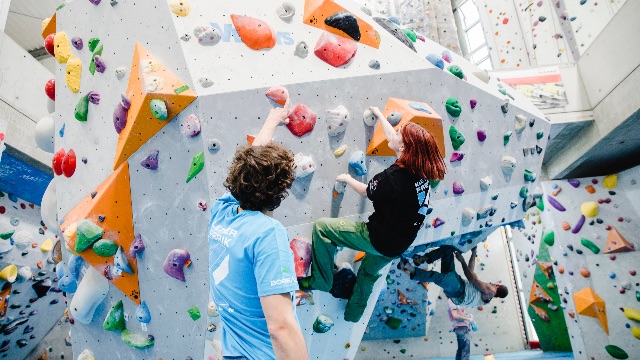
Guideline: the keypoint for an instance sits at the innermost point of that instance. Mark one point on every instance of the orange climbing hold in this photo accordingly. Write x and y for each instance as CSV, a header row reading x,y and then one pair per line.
x,y
254,33
566,226
359,256
49,26
561,269
588,303
404,300
616,243
547,268
590,189
112,201
317,11
538,294
541,312
585,272
141,123
250,139
557,191
430,121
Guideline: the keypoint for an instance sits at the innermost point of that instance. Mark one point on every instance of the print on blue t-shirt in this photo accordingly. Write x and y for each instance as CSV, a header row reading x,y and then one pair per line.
x,y
249,257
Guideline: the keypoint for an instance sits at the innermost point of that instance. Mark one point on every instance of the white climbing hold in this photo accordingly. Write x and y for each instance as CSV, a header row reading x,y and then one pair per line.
x,y
508,164
305,165
286,11
302,50
153,83
485,183
206,35
521,123
205,82
340,187
44,132
369,118
121,72
149,65
468,214
337,120
483,75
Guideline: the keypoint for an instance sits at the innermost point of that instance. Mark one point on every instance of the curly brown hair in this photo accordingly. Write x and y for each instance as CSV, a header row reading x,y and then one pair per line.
x,y
260,176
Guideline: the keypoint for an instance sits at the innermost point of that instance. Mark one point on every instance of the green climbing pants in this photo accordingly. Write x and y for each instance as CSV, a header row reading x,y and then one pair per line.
x,y
328,234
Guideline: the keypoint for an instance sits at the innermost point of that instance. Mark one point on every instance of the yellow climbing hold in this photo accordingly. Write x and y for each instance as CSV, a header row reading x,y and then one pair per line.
x,y
589,209
340,151
632,314
9,273
74,69
62,47
636,332
46,246
180,7
610,181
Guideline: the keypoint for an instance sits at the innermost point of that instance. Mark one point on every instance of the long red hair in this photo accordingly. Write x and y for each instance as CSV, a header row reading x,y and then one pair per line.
x,y
421,155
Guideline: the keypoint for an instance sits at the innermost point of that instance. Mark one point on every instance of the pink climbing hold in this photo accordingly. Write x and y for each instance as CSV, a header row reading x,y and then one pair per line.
x,y
301,120
482,135
473,103
301,248
458,188
437,222
555,203
335,50
576,229
279,94
456,156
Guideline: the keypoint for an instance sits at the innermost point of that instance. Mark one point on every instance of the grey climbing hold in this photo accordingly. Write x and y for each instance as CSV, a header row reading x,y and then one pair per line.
x,y
214,145
521,123
374,64
302,49
121,72
508,164
185,37
340,187
419,107
205,82
468,214
369,118
394,118
485,211
505,106
286,11
396,31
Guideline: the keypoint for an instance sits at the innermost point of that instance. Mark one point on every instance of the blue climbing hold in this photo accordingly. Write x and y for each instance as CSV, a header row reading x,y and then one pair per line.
x,y
420,107
357,163
142,313
61,132
436,61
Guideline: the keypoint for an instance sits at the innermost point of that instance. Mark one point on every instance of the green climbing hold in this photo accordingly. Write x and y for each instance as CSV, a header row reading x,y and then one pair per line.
x,y
457,139
181,89
529,175
105,248
549,238
455,70
495,310
453,107
616,352
524,192
434,183
7,235
540,204
411,34
403,350
393,323
93,43
390,281
539,135
194,313
86,234
637,295
159,109
590,245
322,324
82,108
98,52
503,91
506,137
115,318
197,164
136,341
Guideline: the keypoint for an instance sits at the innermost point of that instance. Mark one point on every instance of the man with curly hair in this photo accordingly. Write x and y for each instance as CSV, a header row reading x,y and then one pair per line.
x,y
252,272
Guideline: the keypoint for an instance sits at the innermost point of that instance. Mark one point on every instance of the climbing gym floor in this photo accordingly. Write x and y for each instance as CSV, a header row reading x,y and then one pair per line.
x,y
521,355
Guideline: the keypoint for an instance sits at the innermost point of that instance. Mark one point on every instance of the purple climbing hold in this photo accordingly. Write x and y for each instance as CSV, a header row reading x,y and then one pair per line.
x,y
77,43
437,222
150,161
175,263
553,202
95,2
578,226
458,188
573,182
120,113
473,103
137,246
94,97
482,135
100,65
456,156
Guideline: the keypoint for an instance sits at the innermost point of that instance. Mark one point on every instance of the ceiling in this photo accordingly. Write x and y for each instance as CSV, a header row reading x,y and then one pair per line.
x,y
24,23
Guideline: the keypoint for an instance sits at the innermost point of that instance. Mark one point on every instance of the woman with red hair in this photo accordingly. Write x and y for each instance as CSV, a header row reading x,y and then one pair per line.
x,y
400,196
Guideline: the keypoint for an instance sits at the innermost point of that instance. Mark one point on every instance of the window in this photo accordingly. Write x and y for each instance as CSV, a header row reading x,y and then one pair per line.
x,y
472,40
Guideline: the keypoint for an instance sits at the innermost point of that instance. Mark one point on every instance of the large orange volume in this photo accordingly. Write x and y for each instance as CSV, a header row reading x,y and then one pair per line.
x,y
254,33
316,13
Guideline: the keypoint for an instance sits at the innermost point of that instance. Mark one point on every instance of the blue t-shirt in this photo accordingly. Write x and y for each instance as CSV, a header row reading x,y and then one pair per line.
x,y
249,257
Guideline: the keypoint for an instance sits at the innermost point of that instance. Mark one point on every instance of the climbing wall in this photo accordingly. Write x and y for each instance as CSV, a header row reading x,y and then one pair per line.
x,y
596,260
498,326
146,165
30,303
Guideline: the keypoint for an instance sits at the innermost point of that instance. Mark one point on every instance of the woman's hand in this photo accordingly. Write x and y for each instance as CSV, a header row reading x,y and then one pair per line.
x,y
343,178
376,111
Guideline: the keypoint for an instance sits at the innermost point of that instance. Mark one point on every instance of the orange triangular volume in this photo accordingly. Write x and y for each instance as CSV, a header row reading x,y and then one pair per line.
x,y
588,303
542,313
538,293
616,243
359,256
316,11
427,118
50,28
404,300
141,124
113,201
547,268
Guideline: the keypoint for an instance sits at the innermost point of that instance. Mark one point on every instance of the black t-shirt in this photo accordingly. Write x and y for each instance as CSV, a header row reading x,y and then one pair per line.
x,y
400,202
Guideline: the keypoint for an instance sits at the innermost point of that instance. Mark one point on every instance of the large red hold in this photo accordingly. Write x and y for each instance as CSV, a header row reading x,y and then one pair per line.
x,y
50,89
301,120
57,161
335,50
255,33
301,248
69,164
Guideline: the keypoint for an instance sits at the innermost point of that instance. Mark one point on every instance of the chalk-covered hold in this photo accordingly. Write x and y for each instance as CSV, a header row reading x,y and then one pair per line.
x,y
369,117
142,313
121,72
340,187
286,11
357,163
91,292
121,262
190,126
394,118
301,50
305,165
529,176
346,22
159,109
205,82
521,123
337,120
508,164
206,35
468,214
505,106
322,324
485,183
278,94
335,50
153,83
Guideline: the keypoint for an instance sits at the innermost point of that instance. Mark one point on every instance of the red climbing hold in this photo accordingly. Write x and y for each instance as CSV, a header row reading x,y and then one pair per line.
x,y
301,120
279,94
50,89
48,44
505,21
254,33
335,50
57,161
69,164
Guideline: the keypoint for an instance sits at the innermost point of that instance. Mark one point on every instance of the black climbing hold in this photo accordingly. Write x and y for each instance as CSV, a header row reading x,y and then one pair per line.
x,y
611,192
22,343
579,252
345,21
93,194
343,282
394,30
570,247
101,218
599,221
41,231
42,287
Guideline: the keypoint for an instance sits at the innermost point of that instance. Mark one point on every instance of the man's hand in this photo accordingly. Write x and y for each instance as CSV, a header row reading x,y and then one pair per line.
x,y
343,178
279,114
458,256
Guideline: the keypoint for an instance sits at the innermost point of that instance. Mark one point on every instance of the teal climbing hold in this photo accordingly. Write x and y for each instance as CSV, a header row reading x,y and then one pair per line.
x,y
136,341
453,107
524,192
197,164
540,204
434,183
115,318
322,324
455,70
105,247
7,235
503,91
529,175
590,245
86,234
457,139
159,109
506,137
539,135
549,238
